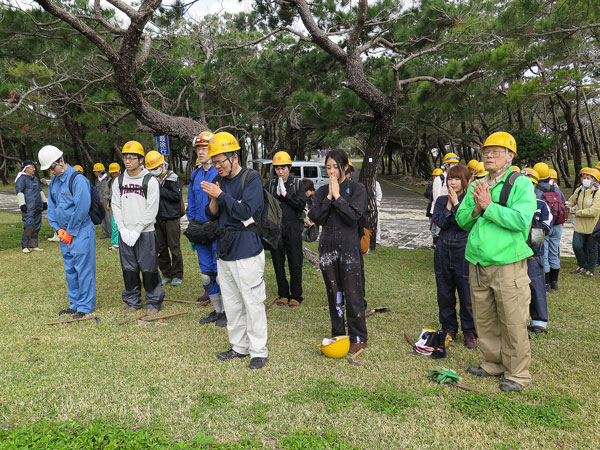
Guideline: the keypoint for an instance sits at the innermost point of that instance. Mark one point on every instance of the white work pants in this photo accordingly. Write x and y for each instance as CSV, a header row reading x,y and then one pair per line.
x,y
243,293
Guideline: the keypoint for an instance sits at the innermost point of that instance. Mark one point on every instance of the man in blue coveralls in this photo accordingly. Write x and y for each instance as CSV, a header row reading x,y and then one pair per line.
x,y
207,254
68,214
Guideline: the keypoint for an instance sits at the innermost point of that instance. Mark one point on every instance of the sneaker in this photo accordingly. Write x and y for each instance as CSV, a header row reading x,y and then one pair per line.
x,y
165,281
54,238
221,320
480,372
511,386
26,250
470,339
176,282
212,317
152,311
537,329
66,311
257,363
577,271
293,303
37,249
130,310
230,354
78,315
451,333
354,347
282,301
588,273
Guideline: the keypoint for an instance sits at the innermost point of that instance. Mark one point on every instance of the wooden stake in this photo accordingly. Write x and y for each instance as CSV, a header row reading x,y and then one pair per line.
x,y
132,320
73,320
150,319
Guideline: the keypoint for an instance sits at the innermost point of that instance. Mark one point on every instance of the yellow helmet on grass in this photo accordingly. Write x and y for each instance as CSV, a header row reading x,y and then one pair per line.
x,y
336,347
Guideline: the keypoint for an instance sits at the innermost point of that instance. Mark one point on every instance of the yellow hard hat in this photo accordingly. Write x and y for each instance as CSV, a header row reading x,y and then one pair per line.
x,y
543,170
553,174
472,164
114,168
437,172
133,147
588,171
78,167
222,142
338,348
202,139
154,159
480,171
515,168
282,159
598,166
450,158
98,167
532,174
501,139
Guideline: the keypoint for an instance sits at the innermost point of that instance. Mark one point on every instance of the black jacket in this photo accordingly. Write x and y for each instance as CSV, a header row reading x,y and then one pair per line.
x,y
292,205
169,206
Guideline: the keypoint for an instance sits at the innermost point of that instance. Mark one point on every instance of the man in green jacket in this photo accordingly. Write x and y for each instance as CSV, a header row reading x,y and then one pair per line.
x,y
497,251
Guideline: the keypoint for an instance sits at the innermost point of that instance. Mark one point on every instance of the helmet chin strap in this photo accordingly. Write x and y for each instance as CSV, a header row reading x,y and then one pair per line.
x,y
506,164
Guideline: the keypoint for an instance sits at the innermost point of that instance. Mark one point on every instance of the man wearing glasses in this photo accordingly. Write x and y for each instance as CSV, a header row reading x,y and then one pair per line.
x,y
68,214
134,203
235,201
498,252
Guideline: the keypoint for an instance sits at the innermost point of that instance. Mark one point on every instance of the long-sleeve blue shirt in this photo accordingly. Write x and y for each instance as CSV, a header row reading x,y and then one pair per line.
x,y
445,219
237,204
69,211
197,198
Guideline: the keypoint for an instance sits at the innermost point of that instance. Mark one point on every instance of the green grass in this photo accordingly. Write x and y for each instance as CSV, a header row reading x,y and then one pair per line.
x,y
87,385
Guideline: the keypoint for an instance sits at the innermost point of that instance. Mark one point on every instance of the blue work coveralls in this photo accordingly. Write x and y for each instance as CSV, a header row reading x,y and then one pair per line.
x,y
29,186
538,308
451,267
197,202
71,213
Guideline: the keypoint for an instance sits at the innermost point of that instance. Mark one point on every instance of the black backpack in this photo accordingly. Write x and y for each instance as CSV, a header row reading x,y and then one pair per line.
x,y
97,210
268,227
536,235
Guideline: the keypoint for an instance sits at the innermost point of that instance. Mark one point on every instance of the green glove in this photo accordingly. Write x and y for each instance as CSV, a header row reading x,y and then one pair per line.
x,y
443,376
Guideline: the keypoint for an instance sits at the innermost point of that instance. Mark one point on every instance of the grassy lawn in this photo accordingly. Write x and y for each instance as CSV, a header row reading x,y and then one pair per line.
x,y
87,385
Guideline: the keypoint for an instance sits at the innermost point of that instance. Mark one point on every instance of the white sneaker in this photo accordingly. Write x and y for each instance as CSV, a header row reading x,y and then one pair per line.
x,y
37,249
26,250
54,238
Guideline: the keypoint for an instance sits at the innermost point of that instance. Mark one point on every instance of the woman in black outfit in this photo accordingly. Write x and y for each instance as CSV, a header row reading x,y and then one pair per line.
x,y
451,267
337,207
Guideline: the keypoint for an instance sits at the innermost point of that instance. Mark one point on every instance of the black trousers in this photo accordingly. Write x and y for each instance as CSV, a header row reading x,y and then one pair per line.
x,y
343,282
168,236
290,245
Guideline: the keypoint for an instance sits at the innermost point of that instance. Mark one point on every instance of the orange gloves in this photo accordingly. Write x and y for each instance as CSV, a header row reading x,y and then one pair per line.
x,y
65,237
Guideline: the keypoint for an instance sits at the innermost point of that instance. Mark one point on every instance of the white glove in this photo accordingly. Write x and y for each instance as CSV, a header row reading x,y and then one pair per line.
x,y
281,188
124,235
133,237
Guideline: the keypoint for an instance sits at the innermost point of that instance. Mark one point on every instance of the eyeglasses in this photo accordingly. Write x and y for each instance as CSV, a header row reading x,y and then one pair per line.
x,y
129,157
219,163
494,153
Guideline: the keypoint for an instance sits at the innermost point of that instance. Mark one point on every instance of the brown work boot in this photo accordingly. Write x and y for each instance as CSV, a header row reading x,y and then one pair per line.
x,y
151,311
293,303
130,310
356,346
470,339
282,301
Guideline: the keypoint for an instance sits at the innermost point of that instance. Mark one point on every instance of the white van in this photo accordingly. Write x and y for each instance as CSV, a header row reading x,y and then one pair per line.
x,y
312,170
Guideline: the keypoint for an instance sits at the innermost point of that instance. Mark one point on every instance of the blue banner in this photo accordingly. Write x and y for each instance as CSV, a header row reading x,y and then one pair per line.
x,y
162,143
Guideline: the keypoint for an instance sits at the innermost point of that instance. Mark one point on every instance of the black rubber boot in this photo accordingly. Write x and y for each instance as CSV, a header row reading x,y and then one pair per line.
x,y
547,274
554,279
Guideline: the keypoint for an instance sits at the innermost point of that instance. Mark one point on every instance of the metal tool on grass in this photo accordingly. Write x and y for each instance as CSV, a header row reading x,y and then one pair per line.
x,y
352,359
60,322
132,320
447,376
381,309
166,316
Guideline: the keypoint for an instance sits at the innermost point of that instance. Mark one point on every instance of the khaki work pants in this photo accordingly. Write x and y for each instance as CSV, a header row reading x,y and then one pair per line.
x,y
501,308
243,293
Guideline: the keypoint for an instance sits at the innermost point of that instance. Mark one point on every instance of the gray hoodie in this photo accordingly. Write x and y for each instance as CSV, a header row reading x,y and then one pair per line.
x,y
133,210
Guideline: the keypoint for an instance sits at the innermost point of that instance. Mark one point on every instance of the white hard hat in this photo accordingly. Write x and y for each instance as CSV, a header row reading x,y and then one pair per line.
x,y
47,155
